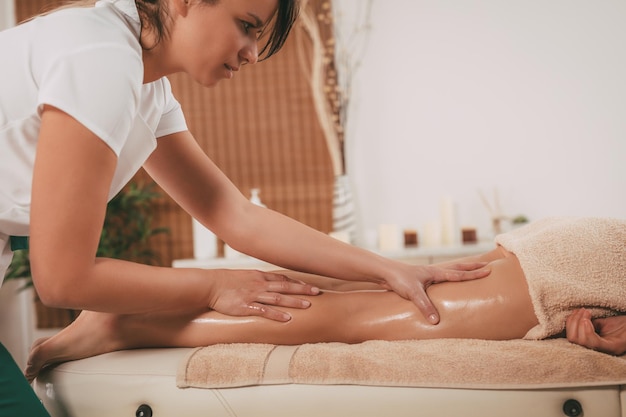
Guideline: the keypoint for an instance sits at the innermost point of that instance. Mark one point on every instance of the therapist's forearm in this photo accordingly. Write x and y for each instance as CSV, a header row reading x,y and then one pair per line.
x,y
123,287
284,242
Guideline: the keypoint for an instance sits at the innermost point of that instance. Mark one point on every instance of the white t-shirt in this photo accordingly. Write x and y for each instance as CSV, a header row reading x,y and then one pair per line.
x,y
86,62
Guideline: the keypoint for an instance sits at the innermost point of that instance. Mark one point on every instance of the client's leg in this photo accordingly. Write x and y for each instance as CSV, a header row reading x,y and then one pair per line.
x,y
495,307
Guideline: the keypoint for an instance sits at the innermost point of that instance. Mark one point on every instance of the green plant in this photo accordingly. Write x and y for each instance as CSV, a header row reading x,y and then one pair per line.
x,y
128,225
20,266
519,220
125,234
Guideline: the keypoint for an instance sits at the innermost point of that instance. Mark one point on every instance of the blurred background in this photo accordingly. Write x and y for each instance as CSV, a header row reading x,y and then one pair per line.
x,y
523,99
488,108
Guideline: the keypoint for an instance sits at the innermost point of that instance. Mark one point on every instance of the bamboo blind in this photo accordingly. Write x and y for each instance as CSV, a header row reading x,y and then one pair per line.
x,y
261,129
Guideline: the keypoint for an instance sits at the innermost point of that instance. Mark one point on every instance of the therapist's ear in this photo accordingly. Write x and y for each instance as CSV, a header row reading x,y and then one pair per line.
x,y
181,6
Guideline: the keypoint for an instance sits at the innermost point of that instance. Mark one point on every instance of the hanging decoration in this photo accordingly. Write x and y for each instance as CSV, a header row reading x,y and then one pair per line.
x,y
331,67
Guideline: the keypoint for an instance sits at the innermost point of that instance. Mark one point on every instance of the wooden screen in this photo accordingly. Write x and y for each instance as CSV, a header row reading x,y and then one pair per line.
x,y
261,130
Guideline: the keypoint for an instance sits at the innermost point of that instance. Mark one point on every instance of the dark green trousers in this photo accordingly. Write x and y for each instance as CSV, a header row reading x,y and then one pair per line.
x,y
17,398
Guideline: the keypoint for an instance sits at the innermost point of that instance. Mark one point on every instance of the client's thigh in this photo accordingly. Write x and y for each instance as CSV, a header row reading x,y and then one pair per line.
x,y
495,307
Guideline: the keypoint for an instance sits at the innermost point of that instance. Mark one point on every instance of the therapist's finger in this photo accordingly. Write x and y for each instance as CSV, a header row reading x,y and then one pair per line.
x,y
282,284
425,306
467,266
282,300
446,274
262,310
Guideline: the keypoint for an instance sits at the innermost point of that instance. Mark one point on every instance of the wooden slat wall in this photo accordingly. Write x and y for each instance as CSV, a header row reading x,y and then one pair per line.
x,y
261,129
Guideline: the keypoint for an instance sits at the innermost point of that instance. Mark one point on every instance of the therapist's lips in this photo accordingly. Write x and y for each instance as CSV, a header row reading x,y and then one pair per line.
x,y
231,70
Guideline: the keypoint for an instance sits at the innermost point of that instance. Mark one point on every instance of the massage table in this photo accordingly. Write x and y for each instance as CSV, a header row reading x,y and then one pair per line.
x,y
442,378
549,377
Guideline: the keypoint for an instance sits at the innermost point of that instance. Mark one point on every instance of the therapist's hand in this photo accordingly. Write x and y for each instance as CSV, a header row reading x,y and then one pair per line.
x,y
415,279
606,335
256,293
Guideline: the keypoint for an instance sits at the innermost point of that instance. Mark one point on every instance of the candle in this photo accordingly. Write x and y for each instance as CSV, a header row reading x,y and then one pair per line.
x,y
410,238
341,235
230,253
448,221
469,235
204,242
388,237
432,234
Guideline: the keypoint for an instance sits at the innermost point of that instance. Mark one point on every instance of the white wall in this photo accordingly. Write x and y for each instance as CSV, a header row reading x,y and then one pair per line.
x,y
7,14
526,97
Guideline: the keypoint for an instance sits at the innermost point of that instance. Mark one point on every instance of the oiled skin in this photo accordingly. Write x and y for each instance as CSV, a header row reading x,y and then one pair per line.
x,y
497,307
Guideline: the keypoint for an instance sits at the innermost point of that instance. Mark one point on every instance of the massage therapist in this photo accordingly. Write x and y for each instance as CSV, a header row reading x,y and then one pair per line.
x,y
85,104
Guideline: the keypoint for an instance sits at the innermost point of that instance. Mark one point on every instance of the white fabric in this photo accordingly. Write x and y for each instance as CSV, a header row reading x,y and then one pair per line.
x,y
5,255
87,62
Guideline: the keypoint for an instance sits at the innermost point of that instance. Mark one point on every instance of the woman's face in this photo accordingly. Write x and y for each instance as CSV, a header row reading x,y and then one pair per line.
x,y
212,42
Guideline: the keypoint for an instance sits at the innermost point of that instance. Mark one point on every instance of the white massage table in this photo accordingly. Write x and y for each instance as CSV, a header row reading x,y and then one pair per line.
x,y
143,383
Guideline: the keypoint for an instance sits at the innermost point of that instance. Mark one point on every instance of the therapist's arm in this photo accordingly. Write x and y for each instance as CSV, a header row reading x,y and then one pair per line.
x,y
71,181
187,174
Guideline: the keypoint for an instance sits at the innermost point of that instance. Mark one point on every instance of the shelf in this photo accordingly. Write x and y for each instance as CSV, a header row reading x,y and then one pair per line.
x,y
428,254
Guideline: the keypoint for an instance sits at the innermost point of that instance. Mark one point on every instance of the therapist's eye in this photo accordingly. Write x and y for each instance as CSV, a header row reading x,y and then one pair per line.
x,y
246,26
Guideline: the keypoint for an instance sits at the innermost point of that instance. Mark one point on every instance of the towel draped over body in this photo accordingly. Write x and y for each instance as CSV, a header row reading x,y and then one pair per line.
x,y
569,263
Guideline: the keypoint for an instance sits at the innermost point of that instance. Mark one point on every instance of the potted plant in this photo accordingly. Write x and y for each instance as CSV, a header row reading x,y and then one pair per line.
x,y
126,232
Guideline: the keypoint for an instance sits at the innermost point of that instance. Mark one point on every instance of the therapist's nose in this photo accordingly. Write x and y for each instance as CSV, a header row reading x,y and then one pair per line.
x,y
250,53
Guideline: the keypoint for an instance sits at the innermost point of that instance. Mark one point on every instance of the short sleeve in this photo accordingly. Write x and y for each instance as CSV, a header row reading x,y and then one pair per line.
x,y
99,86
172,120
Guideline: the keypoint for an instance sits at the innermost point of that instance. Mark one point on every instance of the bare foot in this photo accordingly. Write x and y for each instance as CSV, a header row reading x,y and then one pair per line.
x,y
89,335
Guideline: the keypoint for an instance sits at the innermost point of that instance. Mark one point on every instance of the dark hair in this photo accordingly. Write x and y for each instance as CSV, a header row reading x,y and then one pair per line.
x,y
283,21
154,14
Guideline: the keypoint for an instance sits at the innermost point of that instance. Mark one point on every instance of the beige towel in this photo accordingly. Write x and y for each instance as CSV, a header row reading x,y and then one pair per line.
x,y
442,363
571,263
